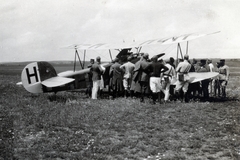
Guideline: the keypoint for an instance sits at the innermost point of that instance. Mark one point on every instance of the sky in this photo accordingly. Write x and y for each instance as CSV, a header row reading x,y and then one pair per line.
x,y
40,30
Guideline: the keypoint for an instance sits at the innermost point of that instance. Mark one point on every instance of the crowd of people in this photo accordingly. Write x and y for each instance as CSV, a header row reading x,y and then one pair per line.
x,y
154,78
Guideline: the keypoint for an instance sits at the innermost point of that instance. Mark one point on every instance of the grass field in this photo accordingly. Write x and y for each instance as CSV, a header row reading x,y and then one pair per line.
x,y
72,126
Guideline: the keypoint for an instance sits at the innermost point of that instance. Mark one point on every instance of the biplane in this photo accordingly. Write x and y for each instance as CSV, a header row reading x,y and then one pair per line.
x,y
41,77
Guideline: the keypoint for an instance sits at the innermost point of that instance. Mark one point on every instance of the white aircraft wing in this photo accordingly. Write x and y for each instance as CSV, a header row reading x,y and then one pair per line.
x,y
160,41
198,76
177,39
57,81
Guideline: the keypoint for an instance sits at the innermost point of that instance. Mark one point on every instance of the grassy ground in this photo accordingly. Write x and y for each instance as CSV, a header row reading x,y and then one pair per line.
x,y
71,126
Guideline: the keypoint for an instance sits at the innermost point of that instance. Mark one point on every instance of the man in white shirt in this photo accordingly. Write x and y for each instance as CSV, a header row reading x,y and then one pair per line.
x,y
183,77
211,67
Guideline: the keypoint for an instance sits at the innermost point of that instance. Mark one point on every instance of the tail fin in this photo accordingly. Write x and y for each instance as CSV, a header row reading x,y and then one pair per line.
x,y
34,73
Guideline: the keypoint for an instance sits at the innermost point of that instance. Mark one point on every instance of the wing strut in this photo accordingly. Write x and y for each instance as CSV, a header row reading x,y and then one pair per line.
x,y
179,50
139,49
80,62
110,54
74,67
84,59
76,54
177,58
187,48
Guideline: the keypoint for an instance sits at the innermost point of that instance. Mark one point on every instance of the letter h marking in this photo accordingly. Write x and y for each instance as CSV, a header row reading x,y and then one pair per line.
x,y
31,75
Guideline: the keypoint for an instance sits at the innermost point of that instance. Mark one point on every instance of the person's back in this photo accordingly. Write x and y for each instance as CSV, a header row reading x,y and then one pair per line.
x,y
183,67
144,64
96,71
116,75
116,70
183,77
128,68
90,81
156,68
171,71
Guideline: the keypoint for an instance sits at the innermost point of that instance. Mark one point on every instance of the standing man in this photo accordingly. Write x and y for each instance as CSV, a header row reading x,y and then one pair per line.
x,y
116,74
168,77
193,88
156,69
223,76
216,83
171,62
205,83
128,68
135,86
97,71
211,83
211,66
90,82
183,77
141,75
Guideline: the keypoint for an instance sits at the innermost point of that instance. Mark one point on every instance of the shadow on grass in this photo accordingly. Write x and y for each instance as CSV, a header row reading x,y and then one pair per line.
x,y
218,99
57,98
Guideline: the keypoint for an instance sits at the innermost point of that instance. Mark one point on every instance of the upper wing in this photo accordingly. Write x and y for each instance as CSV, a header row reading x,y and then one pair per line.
x,y
177,39
161,41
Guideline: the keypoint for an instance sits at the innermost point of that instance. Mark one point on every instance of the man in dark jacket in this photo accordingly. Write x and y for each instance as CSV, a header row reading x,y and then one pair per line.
x,y
90,82
97,71
204,83
156,69
116,73
142,76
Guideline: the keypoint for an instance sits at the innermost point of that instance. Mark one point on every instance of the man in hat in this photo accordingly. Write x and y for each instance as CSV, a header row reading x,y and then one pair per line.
x,y
223,76
204,83
183,78
116,73
127,68
97,71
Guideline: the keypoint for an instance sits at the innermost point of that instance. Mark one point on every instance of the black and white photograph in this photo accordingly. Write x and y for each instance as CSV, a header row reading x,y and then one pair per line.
x,y
120,79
